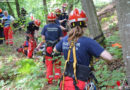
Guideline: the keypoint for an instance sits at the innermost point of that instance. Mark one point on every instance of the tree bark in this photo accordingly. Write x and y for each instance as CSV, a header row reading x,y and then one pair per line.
x,y
123,7
10,9
70,8
45,9
93,22
17,8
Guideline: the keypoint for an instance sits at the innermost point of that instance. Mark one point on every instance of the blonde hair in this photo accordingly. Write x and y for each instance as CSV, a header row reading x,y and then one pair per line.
x,y
75,33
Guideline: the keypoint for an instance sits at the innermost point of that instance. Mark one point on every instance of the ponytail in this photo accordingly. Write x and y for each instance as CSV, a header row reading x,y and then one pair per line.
x,y
75,33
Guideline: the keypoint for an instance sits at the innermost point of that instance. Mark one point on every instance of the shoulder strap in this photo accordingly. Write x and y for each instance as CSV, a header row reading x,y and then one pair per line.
x,y
68,58
74,62
72,46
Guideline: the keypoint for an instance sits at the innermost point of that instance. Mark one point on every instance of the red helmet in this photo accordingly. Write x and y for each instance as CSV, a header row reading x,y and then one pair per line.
x,y
77,15
64,5
37,22
51,17
0,10
58,11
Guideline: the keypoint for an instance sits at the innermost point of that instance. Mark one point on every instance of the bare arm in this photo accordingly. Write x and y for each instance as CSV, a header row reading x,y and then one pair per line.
x,y
106,56
43,38
60,38
62,20
62,28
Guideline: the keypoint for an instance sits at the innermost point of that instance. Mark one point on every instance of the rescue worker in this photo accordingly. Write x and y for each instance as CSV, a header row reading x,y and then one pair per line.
x,y
1,27
23,18
58,15
32,29
64,19
8,32
51,34
78,51
23,12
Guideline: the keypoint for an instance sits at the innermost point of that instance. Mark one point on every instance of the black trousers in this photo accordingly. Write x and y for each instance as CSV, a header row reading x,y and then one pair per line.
x,y
1,35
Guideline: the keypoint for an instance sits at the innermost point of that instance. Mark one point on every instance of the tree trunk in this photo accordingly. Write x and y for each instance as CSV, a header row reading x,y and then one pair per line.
x,y
45,9
17,8
10,9
70,8
71,4
123,12
93,22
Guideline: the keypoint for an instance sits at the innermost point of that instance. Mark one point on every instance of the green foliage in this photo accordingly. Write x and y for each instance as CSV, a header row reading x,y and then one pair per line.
x,y
112,25
116,52
105,19
26,66
113,39
107,77
104,75
101,3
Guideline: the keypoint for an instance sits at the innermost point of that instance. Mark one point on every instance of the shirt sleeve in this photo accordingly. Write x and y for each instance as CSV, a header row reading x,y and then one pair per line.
x,y
11,18
59,46
43,31
95,49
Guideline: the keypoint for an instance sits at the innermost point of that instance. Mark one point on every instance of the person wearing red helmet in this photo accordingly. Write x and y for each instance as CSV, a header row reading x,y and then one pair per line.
x,y
32,28
1,27
63,19
78,51
58,14
51,34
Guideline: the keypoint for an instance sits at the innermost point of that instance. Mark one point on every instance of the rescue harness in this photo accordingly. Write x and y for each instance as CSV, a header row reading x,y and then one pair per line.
x,y
78,72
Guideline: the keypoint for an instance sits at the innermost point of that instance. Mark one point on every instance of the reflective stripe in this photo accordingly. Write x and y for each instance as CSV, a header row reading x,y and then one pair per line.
x,y
1,38
82,19
50,76
57,73
73,20
79,19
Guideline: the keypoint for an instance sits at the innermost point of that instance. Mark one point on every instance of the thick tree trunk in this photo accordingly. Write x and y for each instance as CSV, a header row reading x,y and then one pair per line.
x,y
17,8
123,12
93,22
10,9
45,9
